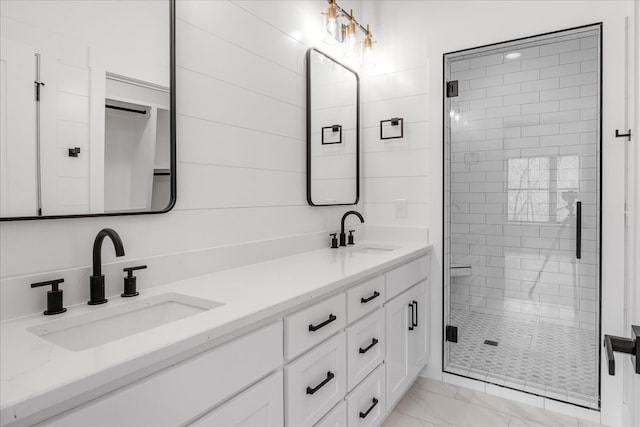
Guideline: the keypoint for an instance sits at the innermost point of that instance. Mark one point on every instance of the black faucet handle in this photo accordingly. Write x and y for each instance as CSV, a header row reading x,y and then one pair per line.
x,y
54,296
130,270
351,242
334,240
54,284
130,281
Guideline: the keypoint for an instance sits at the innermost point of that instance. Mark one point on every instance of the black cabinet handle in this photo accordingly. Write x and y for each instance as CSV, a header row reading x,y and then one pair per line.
x,y
415,313
578,230
314,328
411,325
375,295
373,405
367,348
312,390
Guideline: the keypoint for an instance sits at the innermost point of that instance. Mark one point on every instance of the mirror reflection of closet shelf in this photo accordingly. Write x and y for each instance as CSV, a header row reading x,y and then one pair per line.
x,y
136,145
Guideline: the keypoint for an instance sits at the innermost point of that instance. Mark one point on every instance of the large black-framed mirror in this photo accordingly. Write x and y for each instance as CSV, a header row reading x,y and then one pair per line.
x,y
88,117
333,131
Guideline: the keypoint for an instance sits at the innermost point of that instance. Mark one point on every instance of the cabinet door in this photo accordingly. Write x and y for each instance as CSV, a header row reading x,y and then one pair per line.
x,y
260,406
397,353
419,336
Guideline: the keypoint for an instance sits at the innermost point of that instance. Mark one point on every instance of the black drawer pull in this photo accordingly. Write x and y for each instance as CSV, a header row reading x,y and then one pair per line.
x,y
373,405
367,348
311,390
314,328
415,313
375,295
411,325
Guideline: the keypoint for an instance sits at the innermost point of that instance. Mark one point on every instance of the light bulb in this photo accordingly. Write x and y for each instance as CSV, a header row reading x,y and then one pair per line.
x,y
368,58
331,24
452,113
352,43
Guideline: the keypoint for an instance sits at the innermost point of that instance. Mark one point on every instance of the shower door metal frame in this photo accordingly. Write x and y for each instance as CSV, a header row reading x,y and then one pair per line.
x,y
599,26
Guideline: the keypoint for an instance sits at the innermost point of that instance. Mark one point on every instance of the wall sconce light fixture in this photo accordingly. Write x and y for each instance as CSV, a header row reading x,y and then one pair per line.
x,y
338,32
332,134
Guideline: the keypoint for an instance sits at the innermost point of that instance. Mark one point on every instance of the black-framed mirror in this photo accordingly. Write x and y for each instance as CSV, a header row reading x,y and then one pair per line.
x,y
88,120
333,131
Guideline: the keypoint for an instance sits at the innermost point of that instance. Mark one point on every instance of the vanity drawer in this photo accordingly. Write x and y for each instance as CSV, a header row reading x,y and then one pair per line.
x,y
365,347
365,298
336,418
365,404
314,324
315,382
405,276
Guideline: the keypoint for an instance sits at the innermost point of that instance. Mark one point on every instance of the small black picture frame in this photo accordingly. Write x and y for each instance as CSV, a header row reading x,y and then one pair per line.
x,y
333,129
396,121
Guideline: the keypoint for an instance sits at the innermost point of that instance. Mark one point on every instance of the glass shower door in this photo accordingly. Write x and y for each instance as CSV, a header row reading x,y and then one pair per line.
x,y
522,214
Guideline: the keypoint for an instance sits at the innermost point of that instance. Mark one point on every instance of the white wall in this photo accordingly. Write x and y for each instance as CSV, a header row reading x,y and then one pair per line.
x,y
241,152
414,35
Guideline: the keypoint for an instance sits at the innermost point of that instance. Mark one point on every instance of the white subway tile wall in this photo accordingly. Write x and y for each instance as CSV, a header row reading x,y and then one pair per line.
x,y
510,180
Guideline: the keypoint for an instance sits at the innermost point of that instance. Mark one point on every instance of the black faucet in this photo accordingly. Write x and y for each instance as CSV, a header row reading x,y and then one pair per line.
x,y
343,236
96,281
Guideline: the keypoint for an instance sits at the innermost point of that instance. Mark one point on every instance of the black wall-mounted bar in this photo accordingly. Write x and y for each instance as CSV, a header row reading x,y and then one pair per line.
x,y
129,110
396,121
334,129
624,135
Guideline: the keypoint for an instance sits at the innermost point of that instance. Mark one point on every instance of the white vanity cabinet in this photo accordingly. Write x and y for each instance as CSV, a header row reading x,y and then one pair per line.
x,y
386,346
342,361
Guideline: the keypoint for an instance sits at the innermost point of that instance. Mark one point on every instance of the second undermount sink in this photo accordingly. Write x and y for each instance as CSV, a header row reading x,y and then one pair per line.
x,y
87,330
372,249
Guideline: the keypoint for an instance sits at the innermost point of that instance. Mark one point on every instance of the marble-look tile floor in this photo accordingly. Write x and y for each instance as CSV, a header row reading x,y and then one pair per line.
x,y
556,361
431,403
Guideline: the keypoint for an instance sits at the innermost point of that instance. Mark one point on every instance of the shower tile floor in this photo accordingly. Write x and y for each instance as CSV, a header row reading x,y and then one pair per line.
x,y
555,361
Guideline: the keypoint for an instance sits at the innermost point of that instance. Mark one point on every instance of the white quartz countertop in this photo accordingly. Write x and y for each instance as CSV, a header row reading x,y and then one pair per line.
x,y
36,374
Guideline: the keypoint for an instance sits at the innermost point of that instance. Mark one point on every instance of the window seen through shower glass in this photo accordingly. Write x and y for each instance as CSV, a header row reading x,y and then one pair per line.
x,y
541,189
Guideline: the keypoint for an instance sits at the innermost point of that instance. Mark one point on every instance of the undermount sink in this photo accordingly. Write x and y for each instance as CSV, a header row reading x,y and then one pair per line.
x,y
101,326
373,249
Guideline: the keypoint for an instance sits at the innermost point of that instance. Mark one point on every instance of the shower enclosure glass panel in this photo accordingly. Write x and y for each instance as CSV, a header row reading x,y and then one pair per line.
x,y
522,214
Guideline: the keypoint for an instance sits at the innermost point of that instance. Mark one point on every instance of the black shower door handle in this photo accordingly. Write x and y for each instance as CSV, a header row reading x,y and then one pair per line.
x,y
578,230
